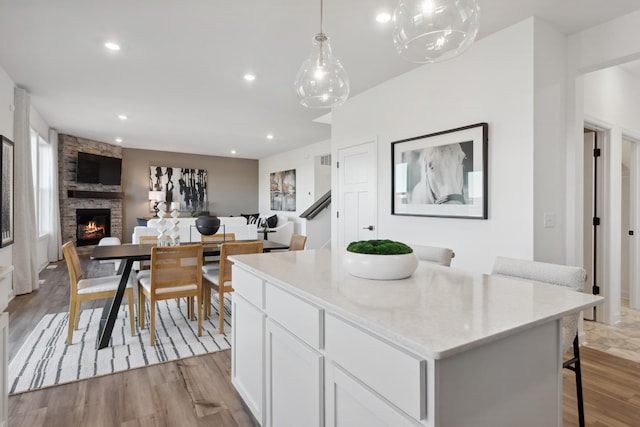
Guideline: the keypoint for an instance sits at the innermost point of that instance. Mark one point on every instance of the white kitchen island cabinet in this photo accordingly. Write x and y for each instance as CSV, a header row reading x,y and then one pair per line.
x,y
315,346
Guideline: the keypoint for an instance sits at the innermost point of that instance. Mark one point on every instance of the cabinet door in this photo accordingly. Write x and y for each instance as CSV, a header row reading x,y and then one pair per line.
x,y
294,381
247,354
350,403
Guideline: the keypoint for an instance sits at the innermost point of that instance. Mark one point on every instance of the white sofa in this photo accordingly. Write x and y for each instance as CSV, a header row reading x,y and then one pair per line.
x,y
281,233
189,233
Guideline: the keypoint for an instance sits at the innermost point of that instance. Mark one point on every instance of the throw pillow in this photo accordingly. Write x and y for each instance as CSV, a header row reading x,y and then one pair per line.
x,y
272,221
251,218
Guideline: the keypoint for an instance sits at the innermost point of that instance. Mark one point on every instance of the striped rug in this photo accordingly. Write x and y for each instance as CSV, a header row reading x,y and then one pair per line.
x,y
45,360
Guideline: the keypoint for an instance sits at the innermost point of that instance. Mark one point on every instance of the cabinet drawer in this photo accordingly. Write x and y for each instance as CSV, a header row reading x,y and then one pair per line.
x,y
249,286
395,374
302,319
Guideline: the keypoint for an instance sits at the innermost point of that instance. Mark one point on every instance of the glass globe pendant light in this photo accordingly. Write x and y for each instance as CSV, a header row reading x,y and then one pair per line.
x,y
322,81
434,30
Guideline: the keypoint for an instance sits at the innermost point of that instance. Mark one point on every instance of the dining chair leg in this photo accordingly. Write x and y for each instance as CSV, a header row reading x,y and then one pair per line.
x,y
199,316
141,304
221,309
132,319
206,302
72,316
76,320
578,372
152,321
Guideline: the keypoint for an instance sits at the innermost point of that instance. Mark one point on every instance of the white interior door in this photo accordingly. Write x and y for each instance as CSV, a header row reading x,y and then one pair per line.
x,y
357,190
634,222
593,211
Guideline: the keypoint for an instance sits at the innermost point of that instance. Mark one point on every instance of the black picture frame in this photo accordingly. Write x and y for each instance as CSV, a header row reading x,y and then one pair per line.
x,y
443,174
7,192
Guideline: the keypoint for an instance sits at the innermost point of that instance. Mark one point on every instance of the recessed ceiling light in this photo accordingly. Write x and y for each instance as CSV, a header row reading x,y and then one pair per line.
x,y
269,136
122,116
249,77
233,151
112,46
383,17
118,140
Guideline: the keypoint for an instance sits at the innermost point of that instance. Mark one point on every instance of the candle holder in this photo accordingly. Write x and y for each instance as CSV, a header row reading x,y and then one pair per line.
x,y
174,230
162,224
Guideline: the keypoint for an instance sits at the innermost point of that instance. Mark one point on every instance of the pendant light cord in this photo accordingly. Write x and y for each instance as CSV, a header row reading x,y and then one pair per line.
x,y
321,7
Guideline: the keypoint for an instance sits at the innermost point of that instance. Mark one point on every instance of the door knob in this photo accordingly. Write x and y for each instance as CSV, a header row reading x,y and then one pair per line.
x,y
370,228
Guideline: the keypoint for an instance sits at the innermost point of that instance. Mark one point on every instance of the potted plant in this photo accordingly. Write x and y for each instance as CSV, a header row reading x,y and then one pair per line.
x,y
380,259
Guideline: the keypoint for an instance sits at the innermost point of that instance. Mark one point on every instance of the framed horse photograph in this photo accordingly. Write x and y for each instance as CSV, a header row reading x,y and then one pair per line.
x,y
443,174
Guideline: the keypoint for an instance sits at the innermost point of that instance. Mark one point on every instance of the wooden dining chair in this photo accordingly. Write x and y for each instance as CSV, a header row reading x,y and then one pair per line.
x,y
561,275
175,273
298,242
212,263
221,282
87,289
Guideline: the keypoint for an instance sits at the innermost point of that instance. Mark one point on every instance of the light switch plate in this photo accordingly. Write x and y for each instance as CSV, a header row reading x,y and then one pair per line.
x,y
549,219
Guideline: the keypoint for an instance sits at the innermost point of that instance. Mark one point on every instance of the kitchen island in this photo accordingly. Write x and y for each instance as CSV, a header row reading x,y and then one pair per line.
x,y
315,346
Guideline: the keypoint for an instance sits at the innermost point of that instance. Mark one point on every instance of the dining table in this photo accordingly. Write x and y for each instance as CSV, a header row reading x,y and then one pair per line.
x,y
129,253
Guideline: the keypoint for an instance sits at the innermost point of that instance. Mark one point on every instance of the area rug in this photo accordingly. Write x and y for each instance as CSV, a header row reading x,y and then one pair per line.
x,y
45,360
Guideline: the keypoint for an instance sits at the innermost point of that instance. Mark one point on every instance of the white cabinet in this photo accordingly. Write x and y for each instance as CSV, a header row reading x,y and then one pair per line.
x,y
294,381
247,354
4,361
351,403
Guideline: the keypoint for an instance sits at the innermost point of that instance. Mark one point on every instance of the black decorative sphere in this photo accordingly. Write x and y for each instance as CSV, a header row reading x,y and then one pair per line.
x,y
207,225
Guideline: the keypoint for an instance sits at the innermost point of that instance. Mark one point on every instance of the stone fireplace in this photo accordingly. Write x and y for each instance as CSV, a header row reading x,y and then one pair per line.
x,y
76,196
92,225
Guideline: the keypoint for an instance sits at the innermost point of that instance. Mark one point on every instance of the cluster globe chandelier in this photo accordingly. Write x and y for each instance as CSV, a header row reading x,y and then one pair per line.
x,y
322,81
427,31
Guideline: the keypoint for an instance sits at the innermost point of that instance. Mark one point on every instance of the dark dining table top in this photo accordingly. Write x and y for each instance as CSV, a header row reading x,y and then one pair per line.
x,y
138,252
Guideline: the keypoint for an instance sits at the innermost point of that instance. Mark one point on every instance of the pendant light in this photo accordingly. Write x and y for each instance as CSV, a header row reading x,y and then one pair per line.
x,y
321,81
434,30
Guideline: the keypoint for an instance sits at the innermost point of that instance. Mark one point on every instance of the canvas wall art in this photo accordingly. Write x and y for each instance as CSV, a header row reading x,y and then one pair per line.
x,y
441,174
187,186
283,190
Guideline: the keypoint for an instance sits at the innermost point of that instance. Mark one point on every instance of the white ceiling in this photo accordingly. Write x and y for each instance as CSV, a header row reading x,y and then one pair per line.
x,y
179,74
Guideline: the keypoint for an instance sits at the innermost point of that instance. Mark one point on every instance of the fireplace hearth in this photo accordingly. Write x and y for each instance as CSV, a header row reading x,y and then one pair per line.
x,y
92,225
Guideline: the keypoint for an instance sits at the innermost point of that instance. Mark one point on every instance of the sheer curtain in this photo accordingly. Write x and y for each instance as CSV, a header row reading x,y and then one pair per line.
x,y
25,276
54,249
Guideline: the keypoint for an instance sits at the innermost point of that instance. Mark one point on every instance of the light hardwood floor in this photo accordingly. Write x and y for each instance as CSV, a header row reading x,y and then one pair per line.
x,y
197,391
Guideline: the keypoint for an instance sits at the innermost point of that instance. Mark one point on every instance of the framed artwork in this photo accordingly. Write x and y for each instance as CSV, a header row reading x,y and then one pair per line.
x,y
6,206
187,186
282,190
443,174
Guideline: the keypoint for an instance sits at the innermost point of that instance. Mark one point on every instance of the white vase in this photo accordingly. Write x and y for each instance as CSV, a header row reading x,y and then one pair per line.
x,y
380,267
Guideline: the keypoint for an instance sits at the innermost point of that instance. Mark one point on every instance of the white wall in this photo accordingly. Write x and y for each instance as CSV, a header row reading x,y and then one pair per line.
x,y
492,82
550,50
303,161
613,95
6,129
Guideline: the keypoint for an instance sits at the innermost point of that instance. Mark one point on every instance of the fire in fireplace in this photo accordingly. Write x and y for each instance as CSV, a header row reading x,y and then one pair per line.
x,y
92,225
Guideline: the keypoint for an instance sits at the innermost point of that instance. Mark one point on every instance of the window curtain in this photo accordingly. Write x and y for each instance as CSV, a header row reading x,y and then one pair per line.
x,y
25,254
54,248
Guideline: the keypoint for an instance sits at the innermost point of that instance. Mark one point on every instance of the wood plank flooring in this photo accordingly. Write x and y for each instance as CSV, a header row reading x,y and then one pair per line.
x,y
197,391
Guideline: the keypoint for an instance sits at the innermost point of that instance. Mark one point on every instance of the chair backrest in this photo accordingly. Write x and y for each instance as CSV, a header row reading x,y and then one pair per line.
x,y
175,266
555,274
434,254
148,240
73,265
561,275
235,248
217,238
298,242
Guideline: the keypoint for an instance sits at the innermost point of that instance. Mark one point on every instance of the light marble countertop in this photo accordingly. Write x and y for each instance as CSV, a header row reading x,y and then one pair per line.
x,y
437,312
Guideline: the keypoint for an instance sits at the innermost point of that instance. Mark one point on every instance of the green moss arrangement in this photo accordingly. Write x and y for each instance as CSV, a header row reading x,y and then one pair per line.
x,y
379,247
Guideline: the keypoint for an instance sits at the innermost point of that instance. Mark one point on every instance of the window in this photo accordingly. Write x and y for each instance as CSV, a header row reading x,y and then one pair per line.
x,y
42,170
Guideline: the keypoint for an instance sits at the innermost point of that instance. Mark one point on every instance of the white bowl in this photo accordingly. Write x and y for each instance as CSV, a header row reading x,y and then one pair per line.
x,y
380,267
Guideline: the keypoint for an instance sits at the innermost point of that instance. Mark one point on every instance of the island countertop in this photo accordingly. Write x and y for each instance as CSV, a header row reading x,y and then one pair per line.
x,y
437,312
